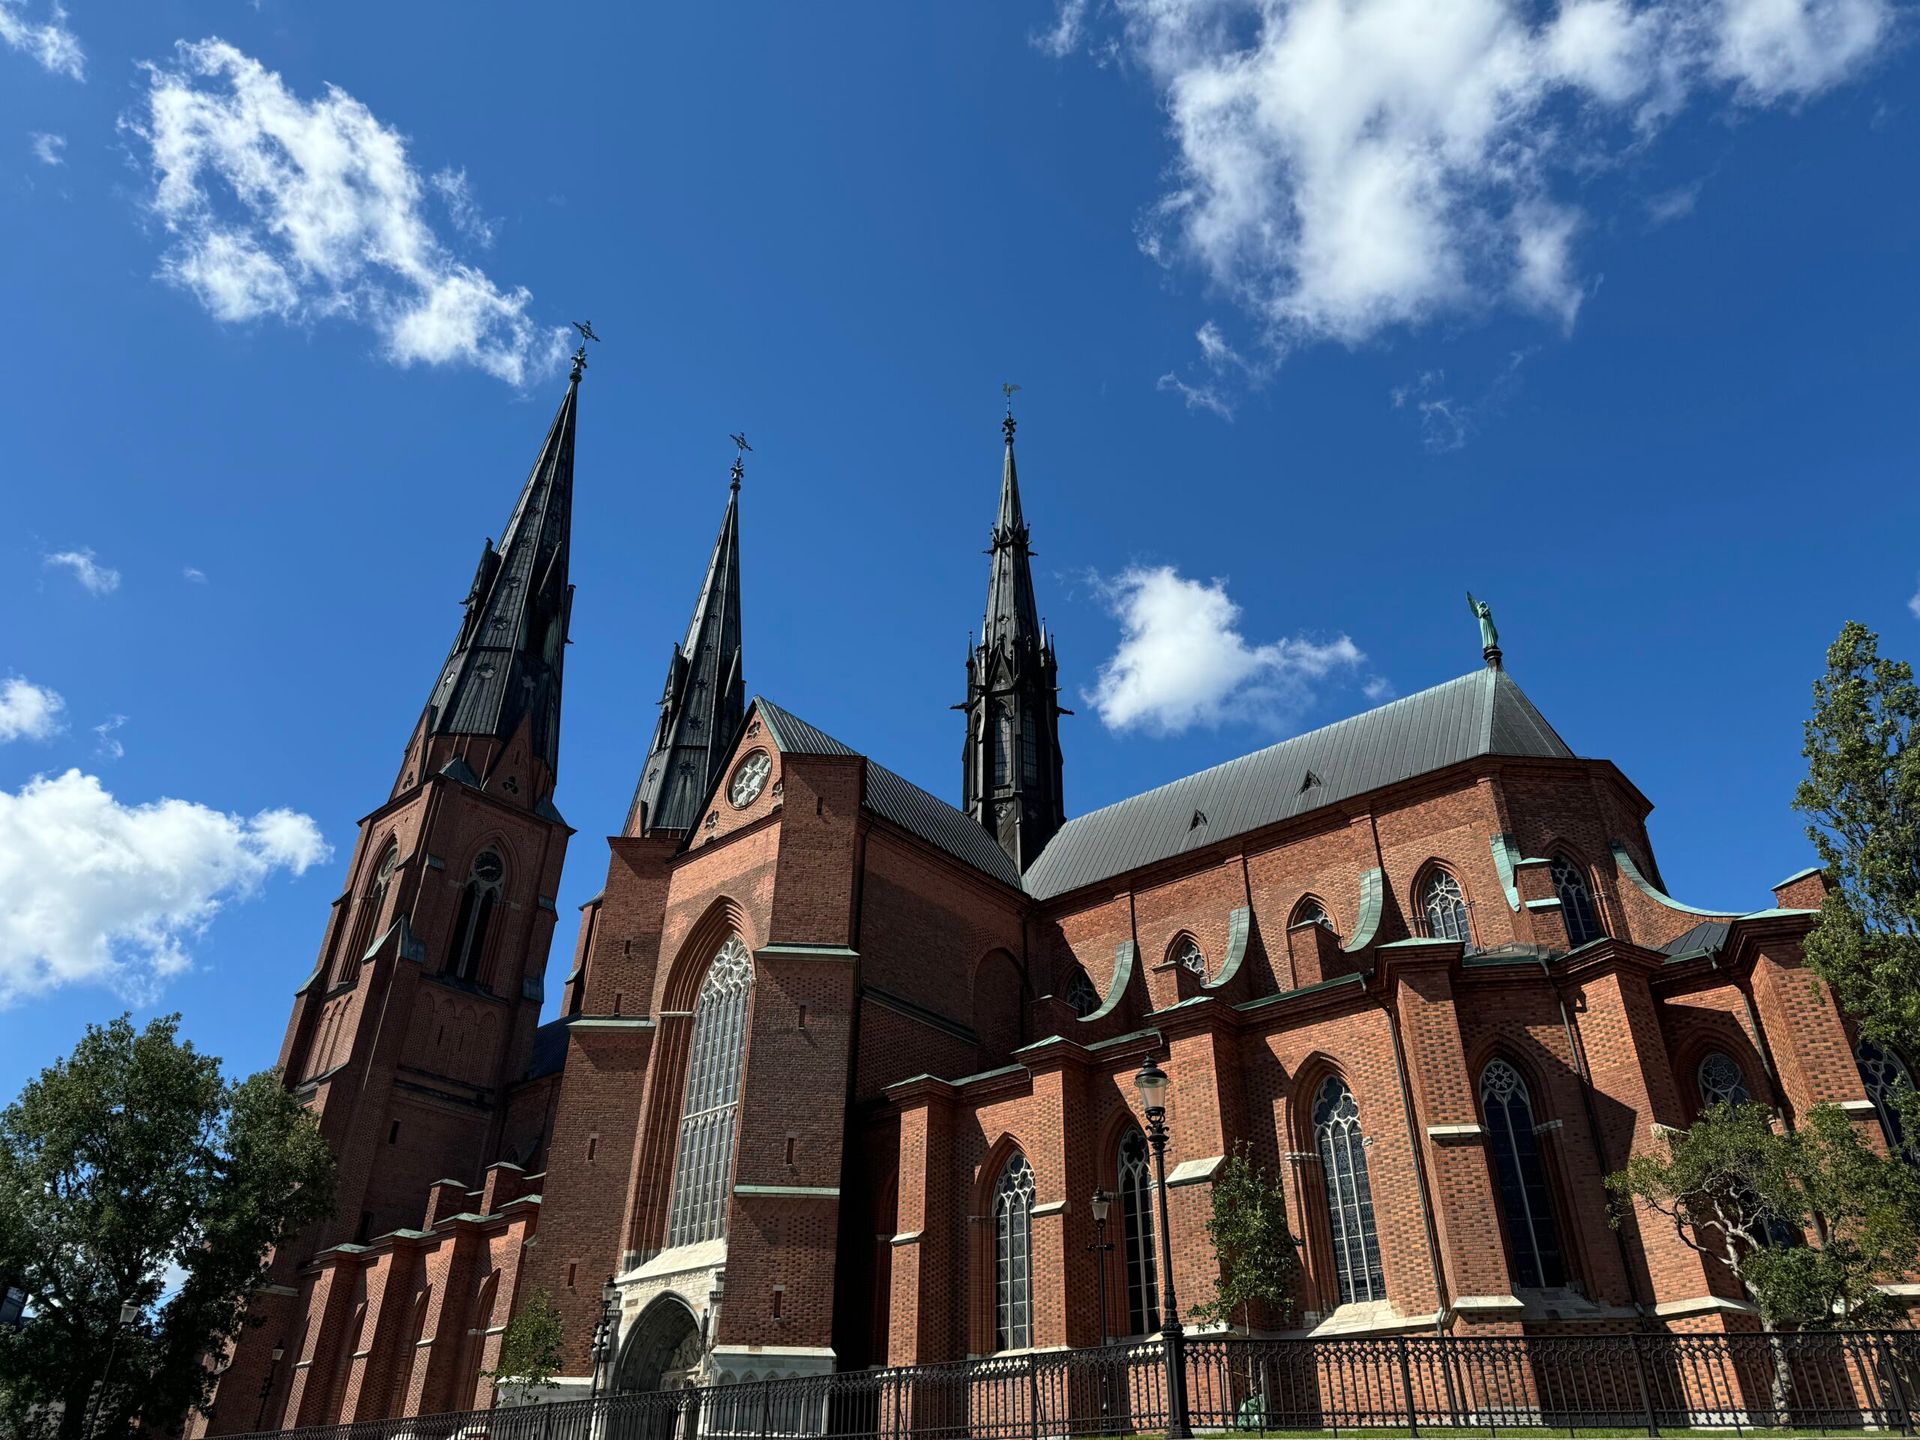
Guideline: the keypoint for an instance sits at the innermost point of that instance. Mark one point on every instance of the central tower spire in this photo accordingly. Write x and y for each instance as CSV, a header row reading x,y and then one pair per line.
x,y
705,697
1011,765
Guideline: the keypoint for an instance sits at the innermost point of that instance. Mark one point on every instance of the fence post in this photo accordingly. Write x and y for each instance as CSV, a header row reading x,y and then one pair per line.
x,y
1899,1386
1033,1396
766,1407
1406,1383
1640,1375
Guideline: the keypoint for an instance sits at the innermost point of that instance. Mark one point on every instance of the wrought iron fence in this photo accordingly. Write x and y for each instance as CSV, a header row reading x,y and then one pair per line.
x,y
1413,1384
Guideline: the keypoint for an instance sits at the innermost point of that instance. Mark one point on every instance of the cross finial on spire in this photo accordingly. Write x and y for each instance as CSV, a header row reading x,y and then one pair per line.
x,y
739,460
1007,424
585,327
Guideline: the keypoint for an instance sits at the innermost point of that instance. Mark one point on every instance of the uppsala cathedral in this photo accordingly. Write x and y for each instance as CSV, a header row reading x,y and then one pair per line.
x,y
838,1062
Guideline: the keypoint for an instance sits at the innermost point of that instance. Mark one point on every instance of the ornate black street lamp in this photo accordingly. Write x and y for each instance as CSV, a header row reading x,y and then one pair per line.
x,y
1152,1083
603,1332
266,1386
1101,1203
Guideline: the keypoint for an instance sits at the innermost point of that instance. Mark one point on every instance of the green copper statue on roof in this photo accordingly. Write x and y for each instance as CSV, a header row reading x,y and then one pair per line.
x,y
1489,636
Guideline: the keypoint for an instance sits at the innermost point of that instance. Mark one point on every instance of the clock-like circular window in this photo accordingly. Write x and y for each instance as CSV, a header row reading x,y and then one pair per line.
x,y
749,779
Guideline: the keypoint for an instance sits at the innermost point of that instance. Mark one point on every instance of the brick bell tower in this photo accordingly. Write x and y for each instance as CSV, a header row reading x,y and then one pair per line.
x,y
422,1008
1011,764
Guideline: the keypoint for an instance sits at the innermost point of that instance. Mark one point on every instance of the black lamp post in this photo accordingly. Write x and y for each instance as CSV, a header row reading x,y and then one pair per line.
x,y
266,1385
1153,1084
603,1332
1101,1203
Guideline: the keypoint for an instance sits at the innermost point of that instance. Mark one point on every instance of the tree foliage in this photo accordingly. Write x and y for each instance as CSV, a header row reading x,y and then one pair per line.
x,y
529,1350
1862,797
1736,1189
133,1174
1252,1241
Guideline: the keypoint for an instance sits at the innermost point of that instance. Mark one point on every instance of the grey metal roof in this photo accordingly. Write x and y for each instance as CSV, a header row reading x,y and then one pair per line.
x,y
1707,935
1484,713
549,1049
895,798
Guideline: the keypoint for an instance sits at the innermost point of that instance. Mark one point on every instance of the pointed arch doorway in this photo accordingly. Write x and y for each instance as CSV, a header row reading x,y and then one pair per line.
x,y
663,1353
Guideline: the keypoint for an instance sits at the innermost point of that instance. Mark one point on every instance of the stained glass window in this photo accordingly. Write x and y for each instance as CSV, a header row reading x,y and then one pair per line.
x,y
1532,1236
1188,955
1311,912
1888,1083
1576,901
1721,1082
1446,909
1343,1158
1013,1256
1082,998
1136,1200
703,1168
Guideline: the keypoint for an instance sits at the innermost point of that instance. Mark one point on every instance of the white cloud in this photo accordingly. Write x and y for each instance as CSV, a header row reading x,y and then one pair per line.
x,y
93,891
47,149
29,711
194,575
1182,660
95,578
1198,397
461,206
1447,422
310,209
1064,38
48,41
1348,166
1914,604
111,748
1378,689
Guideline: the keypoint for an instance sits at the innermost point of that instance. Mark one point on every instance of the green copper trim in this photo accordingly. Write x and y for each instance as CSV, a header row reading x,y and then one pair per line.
x,y
1373,901
1799,875
816,1192
1239,923
1285,995
1125,956
1632,871
1506,855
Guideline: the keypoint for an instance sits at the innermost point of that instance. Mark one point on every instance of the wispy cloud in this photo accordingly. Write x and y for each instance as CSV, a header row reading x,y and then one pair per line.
x,y
105,893
1675,204
1200,396
1447,421
1064,38
1343,167
95,578
194,575
1182,660
48,149
47,40
29,711
461,207
110,747
307,210
1914,604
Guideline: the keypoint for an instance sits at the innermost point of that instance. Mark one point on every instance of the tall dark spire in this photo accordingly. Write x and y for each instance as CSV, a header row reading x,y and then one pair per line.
x,y
505,666
1011,765
705,697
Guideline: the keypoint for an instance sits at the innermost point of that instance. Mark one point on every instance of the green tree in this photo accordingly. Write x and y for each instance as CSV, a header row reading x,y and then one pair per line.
x,y
1736,1189
529,1351
1862,797
1252,1242
132,1174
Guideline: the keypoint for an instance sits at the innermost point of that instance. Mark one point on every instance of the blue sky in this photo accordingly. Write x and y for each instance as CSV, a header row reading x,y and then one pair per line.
x,y
1323,315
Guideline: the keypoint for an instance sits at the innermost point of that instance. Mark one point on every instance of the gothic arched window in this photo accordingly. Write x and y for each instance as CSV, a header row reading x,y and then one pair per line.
x,y
477,900
1532,1236
1721,1081
1136,1202
703,1168
1311,912
1343,1159
1188,955
1013,1256
1576,900
1029,754
371,904
1446,909
1082,998
1888,1082
1003,745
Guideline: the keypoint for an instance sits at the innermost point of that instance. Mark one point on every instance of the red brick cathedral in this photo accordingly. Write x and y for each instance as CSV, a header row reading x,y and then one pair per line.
x,y
838,1064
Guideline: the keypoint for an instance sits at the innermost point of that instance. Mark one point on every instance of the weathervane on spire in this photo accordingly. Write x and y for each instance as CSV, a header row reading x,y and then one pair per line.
x,y
585,327
1007,424
739,460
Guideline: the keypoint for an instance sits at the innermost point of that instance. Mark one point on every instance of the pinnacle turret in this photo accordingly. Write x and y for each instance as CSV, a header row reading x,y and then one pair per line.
x,y
704,699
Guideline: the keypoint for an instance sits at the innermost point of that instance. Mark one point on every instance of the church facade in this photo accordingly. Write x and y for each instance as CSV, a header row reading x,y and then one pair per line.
x,y
837,1064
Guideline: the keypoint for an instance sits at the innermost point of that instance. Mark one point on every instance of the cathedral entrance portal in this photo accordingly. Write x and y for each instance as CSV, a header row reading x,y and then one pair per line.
x,y
661,1357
